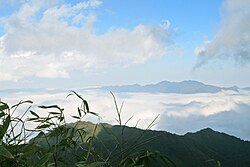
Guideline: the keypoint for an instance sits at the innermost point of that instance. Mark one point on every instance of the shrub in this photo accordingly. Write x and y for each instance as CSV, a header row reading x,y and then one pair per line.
x,y
54,142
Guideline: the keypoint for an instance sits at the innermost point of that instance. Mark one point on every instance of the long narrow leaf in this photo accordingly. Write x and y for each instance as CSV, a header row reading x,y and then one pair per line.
x,y
55,113
2,114
76,117
5,126
3,106
43,126
22,102
35,114
86,105
77,95
93,113
79,112
51,106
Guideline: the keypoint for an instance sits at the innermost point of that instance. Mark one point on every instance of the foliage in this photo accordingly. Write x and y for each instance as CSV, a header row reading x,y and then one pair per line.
x,y
58,143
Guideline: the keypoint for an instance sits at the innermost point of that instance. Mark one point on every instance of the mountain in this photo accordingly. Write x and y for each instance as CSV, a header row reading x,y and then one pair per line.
x,y
184,87
202,148
190,150
247,88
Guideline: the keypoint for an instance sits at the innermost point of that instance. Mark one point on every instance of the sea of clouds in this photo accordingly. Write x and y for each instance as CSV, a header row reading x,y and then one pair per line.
x,y
225,111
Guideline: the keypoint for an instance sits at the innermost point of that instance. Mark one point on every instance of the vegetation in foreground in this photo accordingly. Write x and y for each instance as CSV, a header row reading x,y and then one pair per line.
x,y
58,143
54,142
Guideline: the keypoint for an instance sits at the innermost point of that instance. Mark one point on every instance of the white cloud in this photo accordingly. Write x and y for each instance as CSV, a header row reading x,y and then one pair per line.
x,y
232,40
225,111
52,40
86,4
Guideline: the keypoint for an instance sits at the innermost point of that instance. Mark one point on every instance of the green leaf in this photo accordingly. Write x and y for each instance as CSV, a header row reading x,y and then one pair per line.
x,y
52,106
55,113
2,114
21,102
79,112
35,114
61,118
5,126
76,117
15,137
43,126
84,101
80,97
93,113
3,106
44,159
86,105
5,153
218,164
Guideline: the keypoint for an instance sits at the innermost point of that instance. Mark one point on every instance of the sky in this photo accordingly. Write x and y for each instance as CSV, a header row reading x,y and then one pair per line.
x,y
85,43
63,44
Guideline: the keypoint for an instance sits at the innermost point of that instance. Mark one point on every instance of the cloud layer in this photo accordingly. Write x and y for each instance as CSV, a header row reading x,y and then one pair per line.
x,y
49,39
232,39
226,111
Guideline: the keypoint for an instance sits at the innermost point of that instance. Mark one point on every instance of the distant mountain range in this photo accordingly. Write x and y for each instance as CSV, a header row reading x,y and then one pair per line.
x,y
184,87
247,88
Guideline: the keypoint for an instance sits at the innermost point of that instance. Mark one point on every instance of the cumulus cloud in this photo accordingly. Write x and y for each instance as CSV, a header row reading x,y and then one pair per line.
x,y
51,40
232,39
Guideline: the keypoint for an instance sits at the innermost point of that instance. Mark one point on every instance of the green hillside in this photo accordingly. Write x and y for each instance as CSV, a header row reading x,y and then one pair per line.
x,y
191,150
203,148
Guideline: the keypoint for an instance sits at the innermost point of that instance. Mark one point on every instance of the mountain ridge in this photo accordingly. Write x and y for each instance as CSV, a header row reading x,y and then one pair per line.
x,y
183,87
191,149
201,148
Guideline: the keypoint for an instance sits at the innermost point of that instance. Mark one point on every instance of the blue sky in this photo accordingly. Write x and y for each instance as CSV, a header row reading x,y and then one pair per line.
x,y
86,43
68,44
